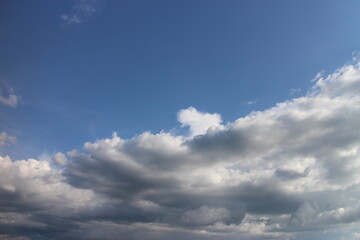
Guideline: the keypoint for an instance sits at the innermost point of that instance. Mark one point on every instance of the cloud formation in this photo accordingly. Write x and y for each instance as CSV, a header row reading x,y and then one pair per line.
x,y
5,139
81,12
273,174
198,122
59,158
10,100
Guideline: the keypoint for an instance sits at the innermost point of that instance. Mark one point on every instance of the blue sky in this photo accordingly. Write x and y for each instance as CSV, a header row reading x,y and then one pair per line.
x,y
76,71
131,65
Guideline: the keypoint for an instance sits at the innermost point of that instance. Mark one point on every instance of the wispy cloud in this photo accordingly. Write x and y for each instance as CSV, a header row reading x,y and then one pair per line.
x,y
318,76
356,56
294,91
10,99
6,139
250,102
81,12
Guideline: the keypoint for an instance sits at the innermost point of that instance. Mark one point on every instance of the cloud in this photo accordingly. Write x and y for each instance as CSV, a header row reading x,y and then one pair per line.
x,y
289,170
36,200
10,100
294,91
81,12
198,122
59,158
5,139
205,216
251,102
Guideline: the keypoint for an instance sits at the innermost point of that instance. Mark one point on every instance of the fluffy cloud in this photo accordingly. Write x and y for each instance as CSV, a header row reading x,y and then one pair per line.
x,y
198,122
272,174
35,199
59,158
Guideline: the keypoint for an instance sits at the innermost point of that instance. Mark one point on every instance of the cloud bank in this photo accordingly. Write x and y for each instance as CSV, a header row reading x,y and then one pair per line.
x,y
281,173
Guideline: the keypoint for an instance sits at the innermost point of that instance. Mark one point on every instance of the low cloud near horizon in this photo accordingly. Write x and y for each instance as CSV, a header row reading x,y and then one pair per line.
x,y
289,170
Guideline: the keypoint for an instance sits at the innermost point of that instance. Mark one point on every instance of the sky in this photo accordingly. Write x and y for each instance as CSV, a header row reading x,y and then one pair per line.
x,y
179,119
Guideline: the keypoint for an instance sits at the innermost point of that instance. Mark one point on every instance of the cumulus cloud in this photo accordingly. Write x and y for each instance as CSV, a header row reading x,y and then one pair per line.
x,y
272,174
6,139
35,199
59,158
198,122
81,12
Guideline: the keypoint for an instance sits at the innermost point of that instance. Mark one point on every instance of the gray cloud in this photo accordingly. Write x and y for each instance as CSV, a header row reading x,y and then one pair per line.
x,y
59,158
289,169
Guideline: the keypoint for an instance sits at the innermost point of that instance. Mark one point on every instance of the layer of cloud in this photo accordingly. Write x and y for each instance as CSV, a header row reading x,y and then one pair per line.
x,y
273,174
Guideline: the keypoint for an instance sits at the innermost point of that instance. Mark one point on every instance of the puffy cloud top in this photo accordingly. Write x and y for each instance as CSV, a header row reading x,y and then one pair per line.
x,y
59,158
198,122
272,174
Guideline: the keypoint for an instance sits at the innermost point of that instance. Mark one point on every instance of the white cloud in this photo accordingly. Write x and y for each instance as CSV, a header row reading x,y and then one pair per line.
x,y
291,168
10,100
199,122
294,91
355,56
251,102
5,139
318,76
37,184
274,162
35,197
